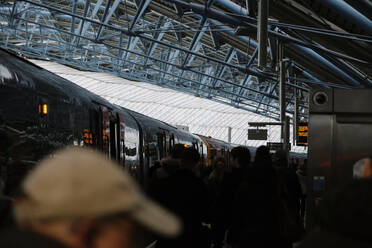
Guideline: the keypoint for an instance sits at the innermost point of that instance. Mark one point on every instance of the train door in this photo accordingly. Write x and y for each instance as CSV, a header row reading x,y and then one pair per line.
x,y
171,143
202,160
195,145
96,127
109,132
114,133
121,139
160,147
105,113
166,143
163,144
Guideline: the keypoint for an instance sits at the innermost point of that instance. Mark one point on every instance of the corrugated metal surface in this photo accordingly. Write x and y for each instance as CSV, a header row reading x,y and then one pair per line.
x,y
202,116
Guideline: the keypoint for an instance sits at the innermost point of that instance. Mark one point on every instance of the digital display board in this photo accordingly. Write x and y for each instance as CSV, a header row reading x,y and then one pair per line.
x,y
302,134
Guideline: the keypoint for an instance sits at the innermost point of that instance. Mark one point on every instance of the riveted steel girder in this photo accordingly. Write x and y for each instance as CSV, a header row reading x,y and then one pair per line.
x,y
147,40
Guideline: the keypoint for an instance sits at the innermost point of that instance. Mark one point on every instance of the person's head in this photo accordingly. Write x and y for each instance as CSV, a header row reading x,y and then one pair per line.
x,y
263,156
219,164
2,186
85,200
280,158
362,168
170,165
240,157
177,151
190,158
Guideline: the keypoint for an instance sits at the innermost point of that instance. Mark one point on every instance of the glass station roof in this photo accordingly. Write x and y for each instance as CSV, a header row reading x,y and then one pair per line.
x,y
200,115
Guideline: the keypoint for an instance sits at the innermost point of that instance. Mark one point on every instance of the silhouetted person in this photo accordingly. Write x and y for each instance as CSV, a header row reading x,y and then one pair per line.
x,y
302,178
216,187
289,190
263,157
186,195
177,151
343,218
167,165
254,222
6,216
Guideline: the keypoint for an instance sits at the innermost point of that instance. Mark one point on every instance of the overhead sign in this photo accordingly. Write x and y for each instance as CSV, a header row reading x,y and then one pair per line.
x,y
274,146
257,134
302,134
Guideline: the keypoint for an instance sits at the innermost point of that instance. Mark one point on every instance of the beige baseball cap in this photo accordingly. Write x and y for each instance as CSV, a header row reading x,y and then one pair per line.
x,y
78,183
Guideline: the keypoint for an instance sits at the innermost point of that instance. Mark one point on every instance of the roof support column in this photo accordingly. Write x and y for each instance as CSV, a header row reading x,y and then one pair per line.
x,y
295,115
282,91
248,77
82,22
37,18
107,15
230,55
141,9
15,4
263,12
158,36
242,86
24,6
72,29
195,43
130,45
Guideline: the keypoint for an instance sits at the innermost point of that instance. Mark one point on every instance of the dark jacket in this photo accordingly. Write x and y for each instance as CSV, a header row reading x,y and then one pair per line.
x,y
254,215
185,195
324,239
6,217
15,238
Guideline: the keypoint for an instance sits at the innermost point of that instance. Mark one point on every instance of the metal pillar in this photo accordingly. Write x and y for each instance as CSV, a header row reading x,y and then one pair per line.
x,y
295,116
282,90
263,11
229,134
285,127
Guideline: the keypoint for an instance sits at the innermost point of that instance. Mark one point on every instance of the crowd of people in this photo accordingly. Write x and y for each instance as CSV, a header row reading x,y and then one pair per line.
x,y
79,199
237,202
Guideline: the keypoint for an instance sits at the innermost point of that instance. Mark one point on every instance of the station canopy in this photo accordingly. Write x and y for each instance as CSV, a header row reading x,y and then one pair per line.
x,y
206,48
199,115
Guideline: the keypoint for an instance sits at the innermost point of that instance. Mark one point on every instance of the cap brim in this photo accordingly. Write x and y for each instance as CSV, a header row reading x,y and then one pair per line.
x,y
157,219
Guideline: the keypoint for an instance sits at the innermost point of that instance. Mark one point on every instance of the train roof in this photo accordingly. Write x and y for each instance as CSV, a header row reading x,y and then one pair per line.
x,y
30,75
215,143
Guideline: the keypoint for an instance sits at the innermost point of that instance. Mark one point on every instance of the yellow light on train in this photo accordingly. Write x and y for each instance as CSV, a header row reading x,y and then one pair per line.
x,y
186,146
45,109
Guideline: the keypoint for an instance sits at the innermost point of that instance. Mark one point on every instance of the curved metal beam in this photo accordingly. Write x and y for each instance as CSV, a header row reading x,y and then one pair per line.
x,y
344,9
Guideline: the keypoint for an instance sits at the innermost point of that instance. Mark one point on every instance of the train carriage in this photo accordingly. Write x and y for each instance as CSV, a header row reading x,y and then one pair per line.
x,y
41,112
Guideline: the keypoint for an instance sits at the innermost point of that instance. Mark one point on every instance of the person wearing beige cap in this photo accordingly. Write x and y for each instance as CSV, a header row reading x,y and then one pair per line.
x,y
82,199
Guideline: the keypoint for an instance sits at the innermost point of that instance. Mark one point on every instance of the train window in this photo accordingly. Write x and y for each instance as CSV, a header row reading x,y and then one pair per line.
x,y
43,109
161,146
171,143
130,151
194,146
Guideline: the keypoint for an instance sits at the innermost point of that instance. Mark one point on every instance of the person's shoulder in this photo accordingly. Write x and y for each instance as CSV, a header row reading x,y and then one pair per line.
x,y
16,238
324,239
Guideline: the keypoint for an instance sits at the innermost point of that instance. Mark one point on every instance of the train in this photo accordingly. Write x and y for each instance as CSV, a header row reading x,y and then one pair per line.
x,y
41,112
